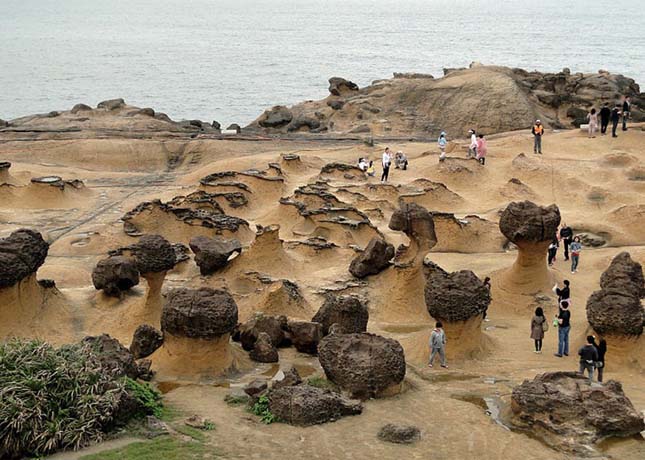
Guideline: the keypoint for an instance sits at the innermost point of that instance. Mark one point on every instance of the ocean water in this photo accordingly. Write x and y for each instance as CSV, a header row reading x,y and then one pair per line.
x,y
229,60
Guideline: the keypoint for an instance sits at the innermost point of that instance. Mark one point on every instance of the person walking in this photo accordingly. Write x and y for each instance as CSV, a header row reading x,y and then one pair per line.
x,y
539,326
538,132
553,250
442,141
482,149
605,113
438,344
472,148
627,107
563,294
563,323
386,162
600,363
566,233
588,357
592,117
615,118
576,247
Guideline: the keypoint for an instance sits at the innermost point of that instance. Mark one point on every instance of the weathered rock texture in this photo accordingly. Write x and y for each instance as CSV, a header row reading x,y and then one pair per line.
x,y
145,341
417,223
349,312
21,254
399,434
211,254
263,350
153,254
115,275
112,356
249,332
305,335
374,259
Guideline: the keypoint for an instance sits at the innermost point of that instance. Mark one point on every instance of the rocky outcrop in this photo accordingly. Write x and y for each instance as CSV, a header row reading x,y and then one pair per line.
x,y
145,341
562,409
399,434
263,350
153,254
365,365
276,117
112,356
304,405
115,275
340,87
616,308
417,224
203,313
375,258
21,254
349,312
111,104
305,335
249,332
212,254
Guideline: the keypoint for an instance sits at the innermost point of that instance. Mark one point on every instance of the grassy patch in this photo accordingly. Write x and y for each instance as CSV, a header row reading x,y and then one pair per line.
x,y
196,434
236,400
166,448
322,383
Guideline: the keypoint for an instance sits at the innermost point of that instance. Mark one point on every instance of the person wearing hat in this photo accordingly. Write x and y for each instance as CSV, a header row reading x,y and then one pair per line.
x,y
537,131
442,141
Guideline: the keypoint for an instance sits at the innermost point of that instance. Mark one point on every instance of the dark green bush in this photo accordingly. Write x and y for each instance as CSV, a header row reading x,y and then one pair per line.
x,y
148,398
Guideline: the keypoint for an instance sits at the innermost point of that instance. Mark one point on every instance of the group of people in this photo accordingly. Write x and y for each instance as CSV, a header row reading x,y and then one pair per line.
x,y
606,115
400,162
572,247
477,149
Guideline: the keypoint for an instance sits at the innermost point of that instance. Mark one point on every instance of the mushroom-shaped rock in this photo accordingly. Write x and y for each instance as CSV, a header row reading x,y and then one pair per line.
x,y
145,341
347,311
340,87
375,258
115,274
263,350
417,223
304,405
21,254
365,365
211,254
274,326
624,274
531,228
275,117
153,254
112,356
305,335
203,313
566,412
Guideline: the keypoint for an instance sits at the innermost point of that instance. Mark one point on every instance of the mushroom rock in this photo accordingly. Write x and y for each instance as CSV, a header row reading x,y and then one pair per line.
x,y
531,228
115,275
305,335
347,311
153,254
624,274
418,225
565,412
263,350
145,341
5,177
365,365
21,254
374,259
341,87
273,326
212,254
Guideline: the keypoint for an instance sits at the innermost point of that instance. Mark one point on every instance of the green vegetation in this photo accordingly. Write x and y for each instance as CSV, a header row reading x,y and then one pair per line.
x,y
165,447
322,383
261,409
236,400
148,398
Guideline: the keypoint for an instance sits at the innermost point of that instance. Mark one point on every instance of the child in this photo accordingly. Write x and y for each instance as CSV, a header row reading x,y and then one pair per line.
x,y
370,169
442,141
575,247
482,148
438,344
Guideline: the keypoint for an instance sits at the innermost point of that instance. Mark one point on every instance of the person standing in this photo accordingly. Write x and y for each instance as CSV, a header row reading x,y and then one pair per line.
x,y
438,344
627,106
592,117
539,326
576,247
472,148
605,113
386,162
488,286
563,294
615,118
566,233
563,322
588,357
442,141
537,131
482,149
600,364
553,250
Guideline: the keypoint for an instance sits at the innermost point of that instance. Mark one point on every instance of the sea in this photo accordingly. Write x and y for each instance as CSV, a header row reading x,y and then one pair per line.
x,y
229,60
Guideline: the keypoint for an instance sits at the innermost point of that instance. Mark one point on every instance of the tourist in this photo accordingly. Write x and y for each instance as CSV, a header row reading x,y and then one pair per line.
x,y
615,118
575,247
563,323
438,344
566,233
605,113
370,169
488,286
564,294
537,131
386,161
627,107
553,250
592,118
482,149
472,148
539,326
362,164
588,357
442,141
600,363
400,161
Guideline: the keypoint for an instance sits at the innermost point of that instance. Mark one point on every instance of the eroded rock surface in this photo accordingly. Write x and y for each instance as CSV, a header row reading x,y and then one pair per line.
x,y
347,311
145,341
374,259
115,275
212,254
263,350
526,221
21,254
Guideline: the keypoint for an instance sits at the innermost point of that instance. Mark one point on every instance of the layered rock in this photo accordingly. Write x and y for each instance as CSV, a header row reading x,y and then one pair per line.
x,y
417,224
348,312
212,254
145,341
374,259
115,275
21,254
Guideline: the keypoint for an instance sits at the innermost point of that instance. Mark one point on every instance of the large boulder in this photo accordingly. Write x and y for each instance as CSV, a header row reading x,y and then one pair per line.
x,y
274,326
341,87
375,258
21,254
263,350
153,254
145,341
211,254
111,104
347,311
562,409
275,117
526,221
203,313
624,275
305,335
456,296
365,365
115,274
304,405
112,356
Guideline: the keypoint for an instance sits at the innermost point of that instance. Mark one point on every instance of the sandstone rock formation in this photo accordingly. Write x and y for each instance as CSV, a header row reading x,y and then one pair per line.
x,y
145,341
213,254
304,405
375,258
263,350
562,409
417,223
365,365
115,275
349,312
21,254
153,254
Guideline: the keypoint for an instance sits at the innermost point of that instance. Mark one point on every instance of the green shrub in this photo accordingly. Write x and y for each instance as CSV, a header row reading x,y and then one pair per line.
x,y
261,409
148,398
322,383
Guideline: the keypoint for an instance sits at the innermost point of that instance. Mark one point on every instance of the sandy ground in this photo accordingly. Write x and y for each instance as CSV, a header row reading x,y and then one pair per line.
x,y
597,184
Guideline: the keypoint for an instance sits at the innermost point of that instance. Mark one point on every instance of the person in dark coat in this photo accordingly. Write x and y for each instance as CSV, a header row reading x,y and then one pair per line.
x,y
588,357
600,364
627,107
566,235
605,114
615,118
538,325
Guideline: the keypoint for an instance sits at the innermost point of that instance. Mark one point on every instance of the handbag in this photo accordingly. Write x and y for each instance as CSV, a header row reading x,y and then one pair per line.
x,y
545,326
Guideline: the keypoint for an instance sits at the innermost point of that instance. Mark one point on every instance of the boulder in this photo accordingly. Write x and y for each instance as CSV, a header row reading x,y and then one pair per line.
x,y
203,313
305,335
302,121
275,117
216,125
624,275
153,254
274,326
111,104
563,410
349,312
375,258
111,355
145,341
456,296
399,434
289,378
340,87
256,387
115,275
526,221
263,350
21,254
212,254
364,364
81,108
234,127
304,405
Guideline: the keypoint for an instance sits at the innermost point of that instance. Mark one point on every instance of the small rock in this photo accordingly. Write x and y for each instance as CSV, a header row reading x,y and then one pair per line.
x,y
263,350
399,434
256,387
290,378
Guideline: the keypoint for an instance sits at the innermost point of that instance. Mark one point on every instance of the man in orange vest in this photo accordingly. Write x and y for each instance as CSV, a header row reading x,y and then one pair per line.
x,y
538,131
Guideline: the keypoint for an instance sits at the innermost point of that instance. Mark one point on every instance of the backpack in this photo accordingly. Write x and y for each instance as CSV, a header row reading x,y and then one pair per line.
x,y
545,325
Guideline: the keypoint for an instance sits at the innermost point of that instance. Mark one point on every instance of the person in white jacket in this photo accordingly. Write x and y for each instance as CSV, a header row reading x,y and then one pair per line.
x,y
472,149
386,162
